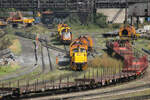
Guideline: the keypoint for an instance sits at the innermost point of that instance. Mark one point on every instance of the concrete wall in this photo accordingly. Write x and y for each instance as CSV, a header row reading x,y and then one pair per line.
x,y
139,9
111,13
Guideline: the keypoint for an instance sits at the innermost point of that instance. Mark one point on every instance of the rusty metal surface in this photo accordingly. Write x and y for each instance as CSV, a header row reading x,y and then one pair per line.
x,y
40,4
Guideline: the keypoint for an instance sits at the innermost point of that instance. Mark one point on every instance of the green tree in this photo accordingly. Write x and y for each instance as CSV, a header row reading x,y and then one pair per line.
x,y
5,40
101,20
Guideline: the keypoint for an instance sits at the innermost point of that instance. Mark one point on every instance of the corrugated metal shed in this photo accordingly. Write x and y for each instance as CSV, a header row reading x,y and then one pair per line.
x,y
139,9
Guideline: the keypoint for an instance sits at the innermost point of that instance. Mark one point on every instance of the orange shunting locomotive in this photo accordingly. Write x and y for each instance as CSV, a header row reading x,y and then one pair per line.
x,y
79,51
64,33
128,32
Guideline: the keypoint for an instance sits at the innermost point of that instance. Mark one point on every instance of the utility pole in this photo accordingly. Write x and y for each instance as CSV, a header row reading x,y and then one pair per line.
x,y
147,7
126,13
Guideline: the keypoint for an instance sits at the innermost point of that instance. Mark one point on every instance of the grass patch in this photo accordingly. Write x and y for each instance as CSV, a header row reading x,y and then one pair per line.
x,y
8,69
105,61
37,29
34,76
142,43
23,79
102,66
90,28
5,41
136,94
15,47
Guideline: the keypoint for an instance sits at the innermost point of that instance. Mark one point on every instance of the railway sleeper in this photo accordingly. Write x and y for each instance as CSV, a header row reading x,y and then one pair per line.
x,y
85,87
132,78
79,88
107,82
93,86
16,92
8,97
142,74
99,84
124,79
113,81
118,80
127,79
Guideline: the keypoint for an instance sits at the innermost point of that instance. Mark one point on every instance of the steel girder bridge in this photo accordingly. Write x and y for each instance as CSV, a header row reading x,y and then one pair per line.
x,y
66,4
83,7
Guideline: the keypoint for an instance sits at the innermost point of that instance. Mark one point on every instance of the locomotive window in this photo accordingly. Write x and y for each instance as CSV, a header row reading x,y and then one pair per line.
x,y
69,32
146,10
76,50
64,30
82,50
125,32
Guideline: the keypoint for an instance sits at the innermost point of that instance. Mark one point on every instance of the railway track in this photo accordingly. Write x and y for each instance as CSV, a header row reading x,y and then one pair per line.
x,y
44,43
128,73
50,62
96,93
109,96
19,72
144,97
42,59
54,48
132,74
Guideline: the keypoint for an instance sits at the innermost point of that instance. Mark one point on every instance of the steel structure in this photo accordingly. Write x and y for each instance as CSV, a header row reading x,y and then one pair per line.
x,y
66,4
84,8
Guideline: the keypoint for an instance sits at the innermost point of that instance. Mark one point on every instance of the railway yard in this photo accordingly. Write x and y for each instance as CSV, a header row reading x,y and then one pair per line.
x,y
51,71
76,54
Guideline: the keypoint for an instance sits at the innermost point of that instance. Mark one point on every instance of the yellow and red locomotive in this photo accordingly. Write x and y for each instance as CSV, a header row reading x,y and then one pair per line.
x,y
128,32
79,51
64,33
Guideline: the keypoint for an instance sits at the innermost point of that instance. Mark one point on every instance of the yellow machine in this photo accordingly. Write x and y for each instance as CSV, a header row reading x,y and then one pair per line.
x,y
2,24
38,14
61,27
28,21
79,51
128,32
64,33
79,57
15,20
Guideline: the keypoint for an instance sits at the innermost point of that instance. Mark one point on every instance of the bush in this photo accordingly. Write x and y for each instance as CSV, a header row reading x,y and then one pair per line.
x,y
73,19
116,26
6,38
105,61
4,12
5,42
101,20
15,47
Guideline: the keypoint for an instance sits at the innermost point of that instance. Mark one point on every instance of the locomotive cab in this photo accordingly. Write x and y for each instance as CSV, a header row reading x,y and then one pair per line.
x,y
64,34
127,31
79,49
79,59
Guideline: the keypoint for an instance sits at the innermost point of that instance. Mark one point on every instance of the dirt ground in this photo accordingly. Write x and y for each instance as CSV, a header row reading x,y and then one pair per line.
x,y
26,58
